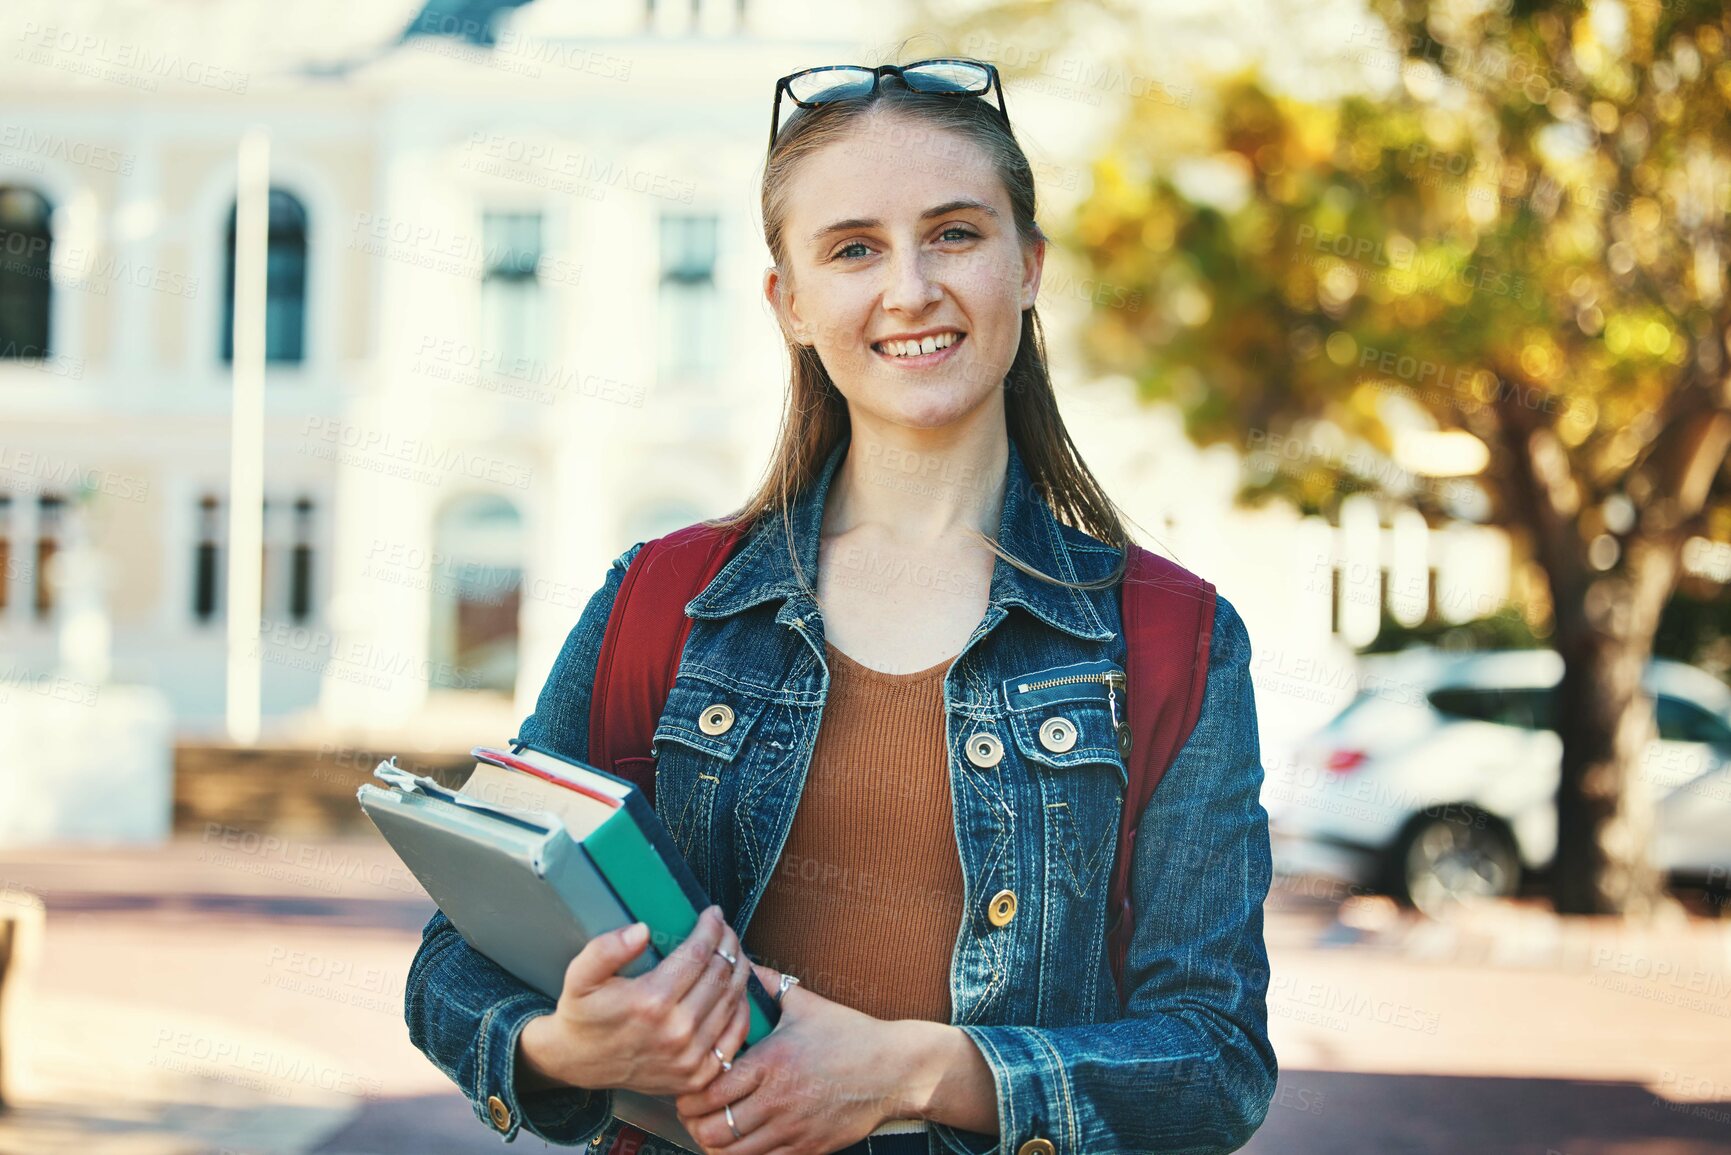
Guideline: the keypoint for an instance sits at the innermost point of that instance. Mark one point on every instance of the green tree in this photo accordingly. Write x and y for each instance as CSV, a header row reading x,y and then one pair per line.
x,y
1523,242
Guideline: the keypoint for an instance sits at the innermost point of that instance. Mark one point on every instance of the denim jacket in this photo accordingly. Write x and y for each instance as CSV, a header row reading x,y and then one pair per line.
x,y
1186,1067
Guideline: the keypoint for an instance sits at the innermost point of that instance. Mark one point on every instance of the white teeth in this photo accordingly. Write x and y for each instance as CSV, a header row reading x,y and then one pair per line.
x,y
923,345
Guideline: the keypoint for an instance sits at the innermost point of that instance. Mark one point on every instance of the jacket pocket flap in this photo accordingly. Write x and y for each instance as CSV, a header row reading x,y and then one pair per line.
x,y
1075,732
707,716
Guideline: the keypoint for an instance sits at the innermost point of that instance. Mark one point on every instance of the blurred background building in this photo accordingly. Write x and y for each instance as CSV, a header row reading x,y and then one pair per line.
x,y
512,328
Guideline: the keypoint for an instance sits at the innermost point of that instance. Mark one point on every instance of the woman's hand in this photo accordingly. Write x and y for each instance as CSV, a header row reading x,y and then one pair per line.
x,y
656,1032
823,1079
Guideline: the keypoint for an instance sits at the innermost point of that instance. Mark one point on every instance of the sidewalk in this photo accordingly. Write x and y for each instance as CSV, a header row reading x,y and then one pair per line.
x,y
247,1000
241,999
107,1076
1506,1029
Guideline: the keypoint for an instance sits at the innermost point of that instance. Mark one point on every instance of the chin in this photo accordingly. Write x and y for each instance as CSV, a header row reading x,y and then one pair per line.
x,y
935,412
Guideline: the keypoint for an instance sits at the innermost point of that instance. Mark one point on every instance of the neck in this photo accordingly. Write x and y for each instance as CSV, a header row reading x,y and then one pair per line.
x,y
920,486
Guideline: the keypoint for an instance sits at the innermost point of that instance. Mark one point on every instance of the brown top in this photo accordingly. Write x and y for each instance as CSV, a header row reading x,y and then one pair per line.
x,y
866,902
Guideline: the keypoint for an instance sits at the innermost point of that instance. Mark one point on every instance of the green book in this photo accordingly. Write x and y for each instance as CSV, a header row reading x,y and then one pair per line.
x,y
625,840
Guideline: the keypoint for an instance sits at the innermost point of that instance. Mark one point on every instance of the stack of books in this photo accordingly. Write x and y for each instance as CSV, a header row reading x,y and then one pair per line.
x,y
533,856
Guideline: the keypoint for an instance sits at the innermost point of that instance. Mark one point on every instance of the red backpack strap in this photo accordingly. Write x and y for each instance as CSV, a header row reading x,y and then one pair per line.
x,y
640,652
645,637
1168,621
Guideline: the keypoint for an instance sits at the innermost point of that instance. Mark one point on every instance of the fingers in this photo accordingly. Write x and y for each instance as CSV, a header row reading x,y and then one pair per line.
x,y
714,1026
730,1019
726,1086
719,976
602,956
717,1037
738,1026
681,969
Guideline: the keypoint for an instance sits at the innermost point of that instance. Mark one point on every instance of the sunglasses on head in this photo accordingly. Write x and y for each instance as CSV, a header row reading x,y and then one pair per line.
x,y
949,76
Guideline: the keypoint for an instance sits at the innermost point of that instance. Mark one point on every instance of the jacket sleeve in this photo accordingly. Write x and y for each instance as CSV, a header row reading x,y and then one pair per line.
x,y
1189,1067
464,1011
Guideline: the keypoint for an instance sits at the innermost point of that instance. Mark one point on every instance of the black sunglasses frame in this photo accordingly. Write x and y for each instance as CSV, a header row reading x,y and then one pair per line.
x,y
877,74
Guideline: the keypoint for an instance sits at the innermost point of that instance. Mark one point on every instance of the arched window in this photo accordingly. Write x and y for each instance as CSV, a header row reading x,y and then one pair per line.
x,y
285,307
26,291
476,582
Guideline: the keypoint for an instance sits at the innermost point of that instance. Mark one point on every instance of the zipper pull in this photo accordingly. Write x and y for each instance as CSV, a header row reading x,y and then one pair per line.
x,y
1119,727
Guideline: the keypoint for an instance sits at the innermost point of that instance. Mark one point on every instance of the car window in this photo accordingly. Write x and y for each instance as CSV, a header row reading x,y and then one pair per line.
x,y
1530,709
1681,721
1538,707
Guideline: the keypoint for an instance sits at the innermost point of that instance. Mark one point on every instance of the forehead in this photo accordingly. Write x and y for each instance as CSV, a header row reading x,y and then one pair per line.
x,y
887,164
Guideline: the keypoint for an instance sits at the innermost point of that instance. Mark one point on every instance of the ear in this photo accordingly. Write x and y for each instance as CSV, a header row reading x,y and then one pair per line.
x,y
1033,264
780,295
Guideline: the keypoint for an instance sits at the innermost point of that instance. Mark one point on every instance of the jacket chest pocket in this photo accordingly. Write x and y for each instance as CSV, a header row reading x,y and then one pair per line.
x,y
1066,723
698,745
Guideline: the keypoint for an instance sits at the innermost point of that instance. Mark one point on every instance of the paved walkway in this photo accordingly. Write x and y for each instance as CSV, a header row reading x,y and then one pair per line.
x,y
232,996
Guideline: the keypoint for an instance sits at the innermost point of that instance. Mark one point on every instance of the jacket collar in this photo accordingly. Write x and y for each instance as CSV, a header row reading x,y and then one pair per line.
x,y
760,569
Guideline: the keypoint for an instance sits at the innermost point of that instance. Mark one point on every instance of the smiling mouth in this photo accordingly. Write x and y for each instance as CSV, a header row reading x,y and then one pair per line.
x,y
925,350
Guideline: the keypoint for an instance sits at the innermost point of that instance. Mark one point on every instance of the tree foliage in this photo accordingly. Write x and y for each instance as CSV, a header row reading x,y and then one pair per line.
x,y
1494,290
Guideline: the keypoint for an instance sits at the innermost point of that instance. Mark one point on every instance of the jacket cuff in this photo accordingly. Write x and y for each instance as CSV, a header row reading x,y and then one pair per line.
x,y
1035,1099
564,1115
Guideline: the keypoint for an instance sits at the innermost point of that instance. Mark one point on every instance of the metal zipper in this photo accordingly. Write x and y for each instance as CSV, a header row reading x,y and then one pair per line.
x,y
1112,678
1108,676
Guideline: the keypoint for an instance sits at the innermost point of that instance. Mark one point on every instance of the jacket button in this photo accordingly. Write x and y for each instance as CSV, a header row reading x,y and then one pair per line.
x,y
1057,734
984,750
501,1113
716,719
1037,1147
1002,909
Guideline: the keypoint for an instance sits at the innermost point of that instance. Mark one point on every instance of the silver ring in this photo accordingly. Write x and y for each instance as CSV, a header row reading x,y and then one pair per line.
x,y
728,1110
787,980
725,1065
732,960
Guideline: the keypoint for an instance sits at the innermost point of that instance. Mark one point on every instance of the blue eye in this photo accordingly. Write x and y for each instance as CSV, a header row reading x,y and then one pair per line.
x,y
965,233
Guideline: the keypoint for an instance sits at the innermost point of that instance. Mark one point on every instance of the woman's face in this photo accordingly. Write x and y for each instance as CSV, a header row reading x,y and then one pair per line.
x,y
899,238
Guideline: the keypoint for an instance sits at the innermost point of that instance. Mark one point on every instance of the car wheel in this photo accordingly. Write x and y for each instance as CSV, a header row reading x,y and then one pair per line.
x,y
1442,863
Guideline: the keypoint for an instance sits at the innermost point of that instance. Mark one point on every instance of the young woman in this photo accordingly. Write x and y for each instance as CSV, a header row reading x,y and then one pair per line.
x,y
861,755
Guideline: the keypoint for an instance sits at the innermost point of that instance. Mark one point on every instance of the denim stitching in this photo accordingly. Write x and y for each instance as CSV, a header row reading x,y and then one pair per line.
x,y
756,853
1058,1075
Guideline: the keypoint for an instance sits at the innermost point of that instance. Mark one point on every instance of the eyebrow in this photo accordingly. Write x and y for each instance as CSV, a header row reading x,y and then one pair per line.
x,y
871,223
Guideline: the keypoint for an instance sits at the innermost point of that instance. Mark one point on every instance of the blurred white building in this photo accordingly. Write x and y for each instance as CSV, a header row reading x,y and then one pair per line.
x,y
514,325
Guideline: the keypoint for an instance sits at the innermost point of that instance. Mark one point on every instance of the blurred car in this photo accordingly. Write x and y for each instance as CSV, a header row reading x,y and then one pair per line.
x,y
1437,783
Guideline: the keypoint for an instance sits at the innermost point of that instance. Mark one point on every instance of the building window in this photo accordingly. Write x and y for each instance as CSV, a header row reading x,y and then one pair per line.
x,y
301,563
26,288
511,304
204,559
49,510
209,580
285,282
690,305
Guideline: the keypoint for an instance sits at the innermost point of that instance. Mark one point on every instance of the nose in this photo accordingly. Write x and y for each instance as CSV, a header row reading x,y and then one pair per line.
x,y
911,288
